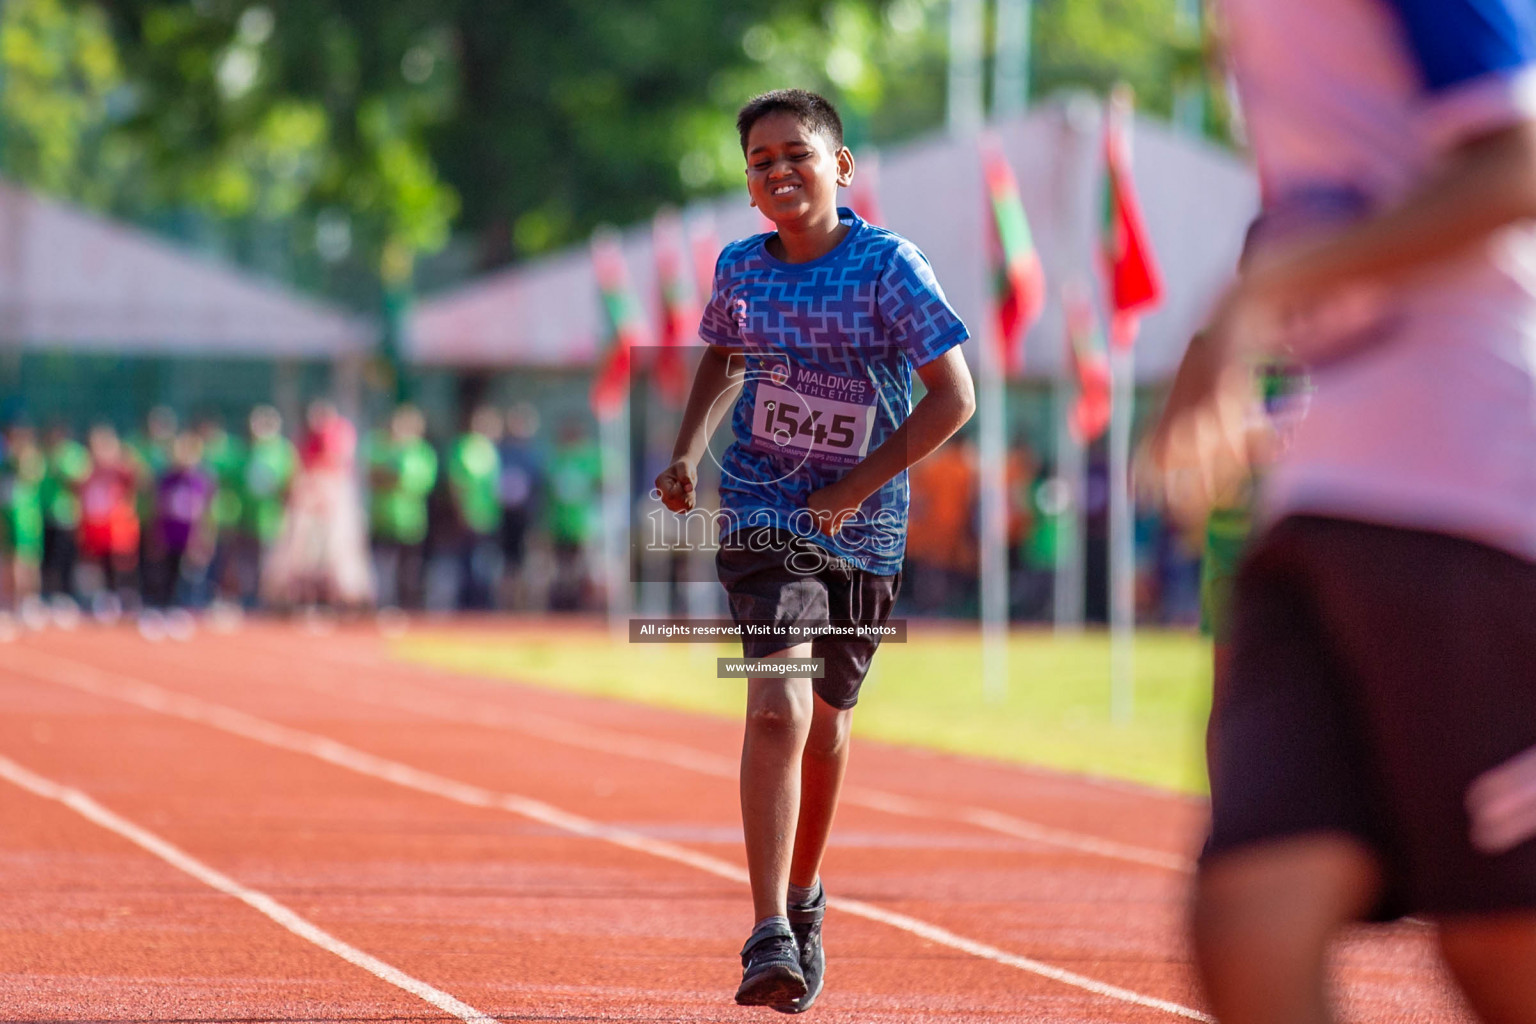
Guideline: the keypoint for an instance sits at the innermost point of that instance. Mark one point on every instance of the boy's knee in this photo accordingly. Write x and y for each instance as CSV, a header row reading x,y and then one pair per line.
x,y
830,733
779,709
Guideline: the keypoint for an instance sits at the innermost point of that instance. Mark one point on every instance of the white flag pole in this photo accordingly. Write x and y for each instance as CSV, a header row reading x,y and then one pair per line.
x,y
991,413
1074,225
966,34
1122,513
966,115
614,441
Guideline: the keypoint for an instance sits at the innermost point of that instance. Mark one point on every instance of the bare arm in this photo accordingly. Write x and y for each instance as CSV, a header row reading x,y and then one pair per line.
x,y
1199,445
716,383
1482,186
950,401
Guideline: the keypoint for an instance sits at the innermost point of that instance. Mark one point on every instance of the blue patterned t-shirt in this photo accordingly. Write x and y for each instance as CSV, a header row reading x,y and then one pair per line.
x,y
830,346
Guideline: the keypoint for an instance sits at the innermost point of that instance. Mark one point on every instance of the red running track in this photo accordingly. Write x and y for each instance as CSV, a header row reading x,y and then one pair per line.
x,y
274,825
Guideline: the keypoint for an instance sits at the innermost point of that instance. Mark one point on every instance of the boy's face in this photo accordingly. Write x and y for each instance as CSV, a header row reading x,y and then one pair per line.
x,y
792,172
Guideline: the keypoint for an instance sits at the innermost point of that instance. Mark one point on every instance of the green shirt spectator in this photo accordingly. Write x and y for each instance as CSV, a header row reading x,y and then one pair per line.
x,y
1044,535
224,458
67,465
263,487
575,479
21,511
401,471
474,469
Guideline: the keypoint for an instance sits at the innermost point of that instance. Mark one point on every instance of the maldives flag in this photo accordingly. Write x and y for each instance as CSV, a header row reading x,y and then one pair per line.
x,y
621,320
1090,364
1132,280
1020,280
679,311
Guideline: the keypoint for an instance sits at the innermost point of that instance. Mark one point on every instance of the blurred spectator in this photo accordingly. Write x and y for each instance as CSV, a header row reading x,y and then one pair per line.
x,y
180,538
321,556
1096,537
109,522
1033,595
522,480
67,465
150,455
22,467
224,460
474,471
941,541
575,493
402,467
262,487
1021,469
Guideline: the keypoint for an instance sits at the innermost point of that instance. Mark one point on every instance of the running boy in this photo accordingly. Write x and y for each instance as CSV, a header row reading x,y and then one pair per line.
x,y
1375,749
813,333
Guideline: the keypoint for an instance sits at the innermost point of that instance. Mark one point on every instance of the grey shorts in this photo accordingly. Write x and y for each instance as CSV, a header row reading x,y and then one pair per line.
x,y
774,578
1381,687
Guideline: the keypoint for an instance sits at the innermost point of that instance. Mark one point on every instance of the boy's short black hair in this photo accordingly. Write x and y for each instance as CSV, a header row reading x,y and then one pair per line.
x,y
813,111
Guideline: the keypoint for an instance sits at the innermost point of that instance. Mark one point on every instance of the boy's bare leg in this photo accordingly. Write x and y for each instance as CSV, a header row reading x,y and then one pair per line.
x,y
1262,920
821,780
778,721
1493,959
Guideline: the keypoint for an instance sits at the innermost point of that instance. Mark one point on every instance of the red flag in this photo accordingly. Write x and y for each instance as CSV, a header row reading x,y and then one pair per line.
x,y
622,322
1020,281
1132,279
864,194
679,311
1090,364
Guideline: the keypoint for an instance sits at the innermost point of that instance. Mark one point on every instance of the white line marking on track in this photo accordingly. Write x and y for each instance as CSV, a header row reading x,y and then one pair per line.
x,y
259,901
104,683
610,741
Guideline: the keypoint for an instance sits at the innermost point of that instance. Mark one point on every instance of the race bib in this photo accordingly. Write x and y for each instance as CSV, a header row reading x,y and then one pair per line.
x,y
812,415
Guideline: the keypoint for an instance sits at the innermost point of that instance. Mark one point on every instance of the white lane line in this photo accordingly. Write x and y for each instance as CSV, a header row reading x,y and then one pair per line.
x,y
259,901
104,683
609,741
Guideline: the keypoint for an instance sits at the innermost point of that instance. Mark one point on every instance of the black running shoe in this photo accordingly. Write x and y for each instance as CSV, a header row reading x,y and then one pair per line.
x,y
806,924
770,969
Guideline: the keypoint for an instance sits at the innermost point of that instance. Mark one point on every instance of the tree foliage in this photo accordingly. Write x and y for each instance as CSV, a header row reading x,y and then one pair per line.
x,y
333,141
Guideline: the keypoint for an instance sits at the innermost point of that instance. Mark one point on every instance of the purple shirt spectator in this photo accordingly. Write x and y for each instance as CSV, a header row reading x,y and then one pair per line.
x,y
182,502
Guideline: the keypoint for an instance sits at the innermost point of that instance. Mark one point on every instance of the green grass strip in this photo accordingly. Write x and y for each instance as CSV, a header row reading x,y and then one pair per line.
x,y
925,693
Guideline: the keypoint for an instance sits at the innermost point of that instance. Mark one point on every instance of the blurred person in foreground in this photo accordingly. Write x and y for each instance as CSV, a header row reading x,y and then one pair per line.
x,y
22,467
1374,751
402,469
518,490
474,472
266,474
321,558
827,318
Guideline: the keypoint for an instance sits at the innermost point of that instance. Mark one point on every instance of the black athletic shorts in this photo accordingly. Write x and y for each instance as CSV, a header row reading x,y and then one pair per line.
x,y
1383,685
775,578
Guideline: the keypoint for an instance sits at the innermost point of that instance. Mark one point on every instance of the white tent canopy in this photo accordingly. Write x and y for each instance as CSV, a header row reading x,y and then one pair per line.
x,y
1197,200
72,280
